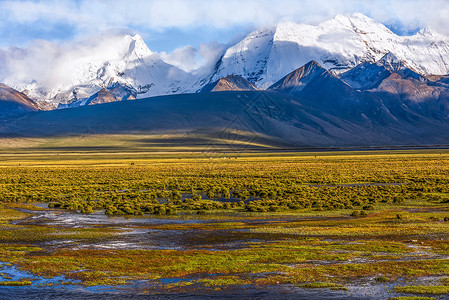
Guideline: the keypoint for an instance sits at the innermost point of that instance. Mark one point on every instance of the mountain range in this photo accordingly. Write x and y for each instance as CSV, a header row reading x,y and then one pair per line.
x,y
262,57
346,82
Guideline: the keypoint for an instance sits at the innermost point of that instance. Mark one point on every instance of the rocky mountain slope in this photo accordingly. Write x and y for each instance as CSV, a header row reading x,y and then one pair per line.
x,y
247,118
370,75
229,83
114,92
13,102
398,98
383,103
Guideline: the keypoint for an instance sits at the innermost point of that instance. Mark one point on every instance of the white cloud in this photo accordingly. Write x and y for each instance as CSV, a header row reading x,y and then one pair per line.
x,y
200,60
26,64
185,58
93,15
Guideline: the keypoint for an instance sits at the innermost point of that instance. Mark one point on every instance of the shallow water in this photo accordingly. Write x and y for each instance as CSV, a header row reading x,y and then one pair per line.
x,y
48,293
66,218
62,289
356,292
131,233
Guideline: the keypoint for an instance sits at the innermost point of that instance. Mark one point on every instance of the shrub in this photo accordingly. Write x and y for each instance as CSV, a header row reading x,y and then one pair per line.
x,y
356,213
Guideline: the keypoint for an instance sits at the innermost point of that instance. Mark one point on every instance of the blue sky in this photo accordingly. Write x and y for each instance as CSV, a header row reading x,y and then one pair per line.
x,y
169,24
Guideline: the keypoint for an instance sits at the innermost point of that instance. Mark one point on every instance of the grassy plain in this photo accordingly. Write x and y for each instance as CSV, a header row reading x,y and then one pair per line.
x,y
326,220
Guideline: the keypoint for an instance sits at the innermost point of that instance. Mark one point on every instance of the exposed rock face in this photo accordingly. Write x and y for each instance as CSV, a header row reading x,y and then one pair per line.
x,y
390,94
314,82
12,101
103,96
230,83
408,88
114,92
370,75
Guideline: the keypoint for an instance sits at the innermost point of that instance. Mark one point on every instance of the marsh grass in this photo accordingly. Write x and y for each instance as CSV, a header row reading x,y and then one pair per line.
x,y
382,279
423,289
321,285
26,206
15,283
7,214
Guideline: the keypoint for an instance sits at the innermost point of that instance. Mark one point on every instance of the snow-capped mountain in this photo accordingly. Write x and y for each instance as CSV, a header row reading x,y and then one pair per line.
x,y
265,56
125,60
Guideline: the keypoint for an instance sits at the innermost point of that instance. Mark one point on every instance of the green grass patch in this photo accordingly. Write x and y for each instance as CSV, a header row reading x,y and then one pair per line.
x,y
8,214
222,281
322,285
382,279
423,289
15,283
411,298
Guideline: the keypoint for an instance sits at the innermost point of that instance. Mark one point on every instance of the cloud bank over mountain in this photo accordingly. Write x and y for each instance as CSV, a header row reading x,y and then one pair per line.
x,y
87,16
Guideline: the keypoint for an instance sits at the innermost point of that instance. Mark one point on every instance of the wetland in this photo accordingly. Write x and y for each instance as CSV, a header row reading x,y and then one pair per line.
x,y
340,225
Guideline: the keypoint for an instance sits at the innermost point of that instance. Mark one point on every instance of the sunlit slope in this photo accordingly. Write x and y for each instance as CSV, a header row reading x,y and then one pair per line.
x,y
14,102
252,117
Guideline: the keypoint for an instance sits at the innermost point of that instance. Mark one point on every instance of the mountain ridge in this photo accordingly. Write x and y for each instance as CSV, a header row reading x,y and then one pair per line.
x,y
14,102
246,116
310,107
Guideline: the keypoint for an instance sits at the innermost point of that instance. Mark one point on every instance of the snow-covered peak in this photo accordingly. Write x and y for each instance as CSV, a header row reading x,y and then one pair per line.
x,y
108,58
391,62
253,41
265,56
428,32
138,49
358,23
246,58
